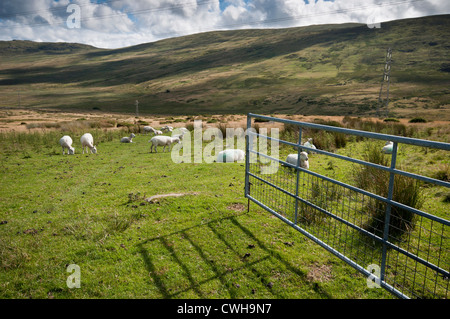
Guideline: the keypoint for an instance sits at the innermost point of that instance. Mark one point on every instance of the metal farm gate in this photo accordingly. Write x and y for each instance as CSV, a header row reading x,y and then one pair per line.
x,y
406,251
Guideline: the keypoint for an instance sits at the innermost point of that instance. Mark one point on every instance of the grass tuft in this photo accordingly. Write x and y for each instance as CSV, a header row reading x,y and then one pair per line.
x,y
406,191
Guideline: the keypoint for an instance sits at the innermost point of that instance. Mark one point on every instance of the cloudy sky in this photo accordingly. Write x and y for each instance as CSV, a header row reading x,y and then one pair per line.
x,y
120,23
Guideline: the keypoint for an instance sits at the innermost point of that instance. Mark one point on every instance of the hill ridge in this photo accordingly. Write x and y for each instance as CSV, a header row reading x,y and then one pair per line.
x,y
320,69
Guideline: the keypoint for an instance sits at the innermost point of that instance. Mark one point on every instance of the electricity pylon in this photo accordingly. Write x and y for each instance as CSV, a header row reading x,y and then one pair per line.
x,y
386,80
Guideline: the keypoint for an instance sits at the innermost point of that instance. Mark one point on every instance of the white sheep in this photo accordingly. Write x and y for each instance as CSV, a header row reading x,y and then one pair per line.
x,y
66,142
87,141
162,141
309,144
304,162
148,129
388,147
231,155
179,136
179,132
127,139
158,132
167,128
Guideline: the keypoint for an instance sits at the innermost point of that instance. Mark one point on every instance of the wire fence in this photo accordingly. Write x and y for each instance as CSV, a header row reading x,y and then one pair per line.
x,y
396,246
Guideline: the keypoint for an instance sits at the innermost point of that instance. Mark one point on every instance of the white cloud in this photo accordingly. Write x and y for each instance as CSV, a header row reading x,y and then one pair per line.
x,y
118,23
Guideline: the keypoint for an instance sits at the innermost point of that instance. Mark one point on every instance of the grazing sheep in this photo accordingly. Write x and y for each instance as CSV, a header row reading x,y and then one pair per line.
x,y
388,147
179,136
304,162
148,129
87,141
309,144
157,132
66,142
127,139
167,128
179,132
162,141
231,155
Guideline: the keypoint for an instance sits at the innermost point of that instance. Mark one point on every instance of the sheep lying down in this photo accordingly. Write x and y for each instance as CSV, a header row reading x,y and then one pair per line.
x,y
162,140
229,156
304,162
127,139
388,147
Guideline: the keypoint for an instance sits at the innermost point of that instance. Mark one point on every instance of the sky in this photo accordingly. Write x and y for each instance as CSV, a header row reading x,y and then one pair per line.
x,y
122,23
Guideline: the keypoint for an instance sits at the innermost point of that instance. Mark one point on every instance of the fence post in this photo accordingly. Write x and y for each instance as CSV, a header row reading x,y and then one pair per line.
x,y
298,172
387,216
248,139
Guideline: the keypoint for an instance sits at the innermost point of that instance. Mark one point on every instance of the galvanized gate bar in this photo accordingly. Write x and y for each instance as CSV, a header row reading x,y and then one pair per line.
x,y
357,161
362,191
387,216
379,136
330,249
299,143
437,268
363,231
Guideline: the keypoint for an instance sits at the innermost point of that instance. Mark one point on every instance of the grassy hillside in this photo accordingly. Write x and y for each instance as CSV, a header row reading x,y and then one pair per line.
x,y
321,70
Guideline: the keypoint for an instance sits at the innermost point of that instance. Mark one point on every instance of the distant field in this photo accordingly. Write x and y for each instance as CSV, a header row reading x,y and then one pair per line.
x,y
317,70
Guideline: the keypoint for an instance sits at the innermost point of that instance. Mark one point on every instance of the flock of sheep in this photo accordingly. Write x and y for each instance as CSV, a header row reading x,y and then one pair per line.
x,y
87,141
229,155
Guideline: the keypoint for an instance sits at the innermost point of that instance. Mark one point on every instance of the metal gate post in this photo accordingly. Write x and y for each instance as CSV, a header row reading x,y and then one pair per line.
x,y
248,139
387,216
298,172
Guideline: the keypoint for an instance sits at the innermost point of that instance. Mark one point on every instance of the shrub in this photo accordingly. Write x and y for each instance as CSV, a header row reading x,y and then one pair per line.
x,y
447,198
307,214
443,173
340,140
406,191
417,120
324,140
190,126
402,221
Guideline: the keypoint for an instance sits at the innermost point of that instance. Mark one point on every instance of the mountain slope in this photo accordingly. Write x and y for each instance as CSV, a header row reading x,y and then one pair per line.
x,y
327,69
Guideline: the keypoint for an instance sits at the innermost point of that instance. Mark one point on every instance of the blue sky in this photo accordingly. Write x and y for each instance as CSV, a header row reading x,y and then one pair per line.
x,y
119,23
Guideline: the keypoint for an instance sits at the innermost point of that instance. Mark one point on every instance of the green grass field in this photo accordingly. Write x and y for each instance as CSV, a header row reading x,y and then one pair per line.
x,y
90,210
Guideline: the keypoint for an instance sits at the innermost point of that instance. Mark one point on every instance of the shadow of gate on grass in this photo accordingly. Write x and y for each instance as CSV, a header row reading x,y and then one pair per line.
x,y
220,258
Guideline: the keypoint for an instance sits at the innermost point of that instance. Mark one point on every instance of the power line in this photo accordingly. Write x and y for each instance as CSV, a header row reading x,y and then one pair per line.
x,y
63,7
55,9
235,25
